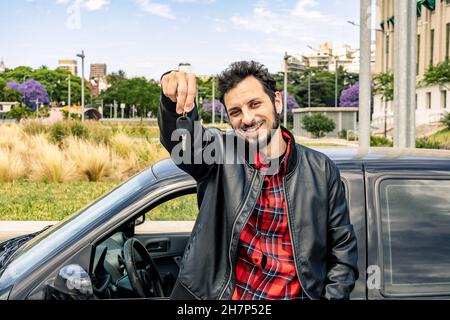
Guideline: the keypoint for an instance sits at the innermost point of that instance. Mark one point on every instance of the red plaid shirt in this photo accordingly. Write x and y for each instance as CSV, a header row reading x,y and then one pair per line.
x,y
265,267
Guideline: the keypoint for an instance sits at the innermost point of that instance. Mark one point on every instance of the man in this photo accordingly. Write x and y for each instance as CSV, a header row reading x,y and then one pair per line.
x,y
283,234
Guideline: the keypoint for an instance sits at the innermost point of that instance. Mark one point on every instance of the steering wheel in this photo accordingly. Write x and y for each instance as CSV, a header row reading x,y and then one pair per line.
x,y
145,282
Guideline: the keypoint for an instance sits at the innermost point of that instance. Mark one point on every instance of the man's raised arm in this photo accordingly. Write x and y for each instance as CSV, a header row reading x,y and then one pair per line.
x,y
178,97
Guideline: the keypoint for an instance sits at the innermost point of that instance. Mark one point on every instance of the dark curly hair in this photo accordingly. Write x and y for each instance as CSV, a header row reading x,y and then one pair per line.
x,y
240,70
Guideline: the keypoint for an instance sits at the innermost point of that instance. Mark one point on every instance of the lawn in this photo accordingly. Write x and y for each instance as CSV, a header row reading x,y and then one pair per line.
x,y
27,201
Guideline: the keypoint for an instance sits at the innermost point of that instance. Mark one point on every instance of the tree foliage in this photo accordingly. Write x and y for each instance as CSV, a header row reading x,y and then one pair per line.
x,y
437,74
137,92
322,85
384,85
55,83
350,96
33,92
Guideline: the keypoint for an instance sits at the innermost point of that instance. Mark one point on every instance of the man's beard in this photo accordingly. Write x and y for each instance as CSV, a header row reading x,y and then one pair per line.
x,y
261,141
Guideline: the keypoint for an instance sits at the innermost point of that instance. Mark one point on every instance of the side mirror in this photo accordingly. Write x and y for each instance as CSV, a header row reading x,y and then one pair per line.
x,y
140,220
71,283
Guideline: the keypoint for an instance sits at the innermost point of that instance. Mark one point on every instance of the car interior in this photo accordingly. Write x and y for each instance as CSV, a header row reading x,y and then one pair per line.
x,y
130,265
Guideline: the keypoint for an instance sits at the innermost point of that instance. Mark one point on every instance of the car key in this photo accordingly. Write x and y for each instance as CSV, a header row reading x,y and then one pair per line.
x,y
185,123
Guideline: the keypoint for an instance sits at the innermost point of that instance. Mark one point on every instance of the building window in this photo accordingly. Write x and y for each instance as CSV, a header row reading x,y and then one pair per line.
x,y
415,242
431,46
447,42
444,99
428,100
418,55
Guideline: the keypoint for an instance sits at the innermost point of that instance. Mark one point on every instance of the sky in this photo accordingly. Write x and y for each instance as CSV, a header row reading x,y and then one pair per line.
x,y
149,37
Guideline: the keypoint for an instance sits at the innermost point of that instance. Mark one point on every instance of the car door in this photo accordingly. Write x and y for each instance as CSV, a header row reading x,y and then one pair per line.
x,y
353,180
408,207
166,231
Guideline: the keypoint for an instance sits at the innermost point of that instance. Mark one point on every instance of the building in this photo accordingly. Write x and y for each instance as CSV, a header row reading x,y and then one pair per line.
x,y
326,57
2,66
97,79
344,119
98,70
433,46
69,65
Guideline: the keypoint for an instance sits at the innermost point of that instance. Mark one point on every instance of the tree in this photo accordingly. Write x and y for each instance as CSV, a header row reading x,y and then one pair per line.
x,y
138,92
384,85
322,85
350,97
33,93
206,110
318,125
437,74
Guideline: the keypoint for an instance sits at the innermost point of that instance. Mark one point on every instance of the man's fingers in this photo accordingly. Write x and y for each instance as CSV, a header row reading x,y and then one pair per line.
x,y
181,92
171,91
191,92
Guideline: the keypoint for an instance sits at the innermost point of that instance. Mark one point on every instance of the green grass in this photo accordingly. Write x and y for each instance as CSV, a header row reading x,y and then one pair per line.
x,y
28,201
47,202
179,209
439,140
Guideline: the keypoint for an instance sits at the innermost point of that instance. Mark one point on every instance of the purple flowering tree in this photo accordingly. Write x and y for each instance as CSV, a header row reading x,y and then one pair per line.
x,y
33,92
218,106
291,102
350,96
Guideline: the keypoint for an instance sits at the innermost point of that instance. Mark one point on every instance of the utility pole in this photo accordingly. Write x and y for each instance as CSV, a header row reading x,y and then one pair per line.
x,y
309,89
405,74
82,56
286,57
213,98
69,98
364,74
336,82
386,68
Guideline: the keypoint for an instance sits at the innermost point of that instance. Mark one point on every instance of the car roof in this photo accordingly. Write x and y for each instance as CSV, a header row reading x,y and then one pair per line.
x,y
166,168
382,153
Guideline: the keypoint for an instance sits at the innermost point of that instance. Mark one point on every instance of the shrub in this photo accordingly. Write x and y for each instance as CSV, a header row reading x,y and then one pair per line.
x,y
446,120
59,131
427,143
19,113
318,125
12,166
380,142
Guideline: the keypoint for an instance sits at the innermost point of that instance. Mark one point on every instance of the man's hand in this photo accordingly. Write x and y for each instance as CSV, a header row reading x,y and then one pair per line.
x,y
180,87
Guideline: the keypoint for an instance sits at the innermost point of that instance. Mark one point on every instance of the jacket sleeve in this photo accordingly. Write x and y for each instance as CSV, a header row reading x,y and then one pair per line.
x,y
193,160
342,269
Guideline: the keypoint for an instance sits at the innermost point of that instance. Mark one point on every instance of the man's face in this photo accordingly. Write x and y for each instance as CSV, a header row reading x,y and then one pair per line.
x,y
251,112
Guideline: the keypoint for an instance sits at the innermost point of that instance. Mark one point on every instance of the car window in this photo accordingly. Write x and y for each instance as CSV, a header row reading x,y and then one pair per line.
x,y
415,229
182,208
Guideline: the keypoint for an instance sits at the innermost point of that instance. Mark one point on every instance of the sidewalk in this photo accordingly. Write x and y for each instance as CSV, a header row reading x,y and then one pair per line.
x,y
11,229
325,141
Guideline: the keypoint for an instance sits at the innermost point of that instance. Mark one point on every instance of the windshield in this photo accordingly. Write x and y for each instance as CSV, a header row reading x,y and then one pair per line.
x,y
50,242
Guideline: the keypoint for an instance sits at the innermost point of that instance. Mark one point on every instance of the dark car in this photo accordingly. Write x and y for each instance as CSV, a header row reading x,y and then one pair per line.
x,y
399,203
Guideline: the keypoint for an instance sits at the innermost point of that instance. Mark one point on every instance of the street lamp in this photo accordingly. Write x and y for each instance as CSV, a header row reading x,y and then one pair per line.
x,y
82,56
336,73
287,66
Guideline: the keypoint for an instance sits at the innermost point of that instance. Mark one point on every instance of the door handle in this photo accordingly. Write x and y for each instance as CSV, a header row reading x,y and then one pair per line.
x,y
158,245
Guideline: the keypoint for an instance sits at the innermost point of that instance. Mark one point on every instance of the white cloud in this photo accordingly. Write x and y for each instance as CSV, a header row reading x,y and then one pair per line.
x,y
90,5
195,1
93,5
161,10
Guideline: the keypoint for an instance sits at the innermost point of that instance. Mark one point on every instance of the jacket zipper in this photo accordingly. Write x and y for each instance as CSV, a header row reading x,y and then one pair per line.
x,y
232,234
290,238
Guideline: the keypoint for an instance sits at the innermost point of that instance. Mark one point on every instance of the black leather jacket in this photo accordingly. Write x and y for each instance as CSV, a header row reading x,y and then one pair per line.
x,y
322,236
